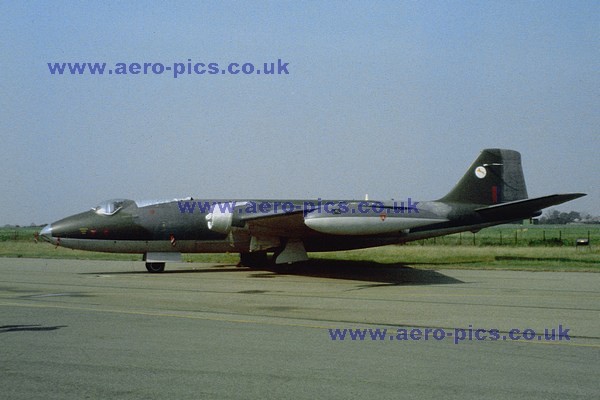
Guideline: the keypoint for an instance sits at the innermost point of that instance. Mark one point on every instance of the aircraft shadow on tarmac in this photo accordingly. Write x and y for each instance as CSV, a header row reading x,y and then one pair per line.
x,y
368,271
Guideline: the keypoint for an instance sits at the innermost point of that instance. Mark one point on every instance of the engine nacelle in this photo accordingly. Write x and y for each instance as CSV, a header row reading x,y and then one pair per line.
x,y
365,225
220,217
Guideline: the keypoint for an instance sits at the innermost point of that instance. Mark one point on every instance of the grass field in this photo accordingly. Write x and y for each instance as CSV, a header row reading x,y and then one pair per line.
x,y
514,247
522,235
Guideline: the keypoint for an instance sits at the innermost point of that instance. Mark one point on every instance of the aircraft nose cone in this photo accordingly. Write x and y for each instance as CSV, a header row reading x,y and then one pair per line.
x,y
46,233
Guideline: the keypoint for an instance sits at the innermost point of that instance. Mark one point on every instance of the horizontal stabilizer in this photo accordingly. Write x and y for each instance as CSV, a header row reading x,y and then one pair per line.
x,y
525,208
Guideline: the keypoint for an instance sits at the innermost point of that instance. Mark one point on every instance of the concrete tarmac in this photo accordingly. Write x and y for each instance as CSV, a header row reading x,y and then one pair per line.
x,y
73,329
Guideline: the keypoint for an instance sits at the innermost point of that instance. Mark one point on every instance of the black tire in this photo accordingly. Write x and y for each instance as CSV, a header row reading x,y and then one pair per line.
x,y
155,267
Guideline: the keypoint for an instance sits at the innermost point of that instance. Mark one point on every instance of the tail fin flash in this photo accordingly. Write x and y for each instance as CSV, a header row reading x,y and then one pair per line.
x,y
495,177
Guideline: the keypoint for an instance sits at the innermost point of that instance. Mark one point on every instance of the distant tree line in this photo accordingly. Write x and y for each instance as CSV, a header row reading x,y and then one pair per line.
x,y
32,225
556,217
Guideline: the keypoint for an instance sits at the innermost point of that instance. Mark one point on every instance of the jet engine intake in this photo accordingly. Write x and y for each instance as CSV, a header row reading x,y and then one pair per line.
x,y
220,217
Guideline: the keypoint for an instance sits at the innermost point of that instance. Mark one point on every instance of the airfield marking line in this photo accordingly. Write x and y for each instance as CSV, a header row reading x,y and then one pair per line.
x,y
247,321
166,315
432,298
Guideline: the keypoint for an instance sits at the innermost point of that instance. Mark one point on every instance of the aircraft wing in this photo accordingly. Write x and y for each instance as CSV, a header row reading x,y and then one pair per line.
x,y
288,224
350,218
268,222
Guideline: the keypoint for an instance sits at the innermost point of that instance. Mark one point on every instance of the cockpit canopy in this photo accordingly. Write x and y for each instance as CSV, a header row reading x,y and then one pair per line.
x,y
110,207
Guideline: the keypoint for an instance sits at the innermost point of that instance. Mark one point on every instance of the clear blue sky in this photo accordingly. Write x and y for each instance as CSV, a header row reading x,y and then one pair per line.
x,y
394,99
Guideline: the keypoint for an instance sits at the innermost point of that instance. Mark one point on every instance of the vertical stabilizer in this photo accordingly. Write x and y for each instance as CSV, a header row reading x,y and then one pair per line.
x,y
495,177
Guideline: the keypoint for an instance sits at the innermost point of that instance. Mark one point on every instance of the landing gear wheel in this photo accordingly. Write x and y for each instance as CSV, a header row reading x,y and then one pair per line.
x,y
155,267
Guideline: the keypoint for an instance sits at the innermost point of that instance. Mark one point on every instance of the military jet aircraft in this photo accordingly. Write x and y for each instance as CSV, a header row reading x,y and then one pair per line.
x,y
491,192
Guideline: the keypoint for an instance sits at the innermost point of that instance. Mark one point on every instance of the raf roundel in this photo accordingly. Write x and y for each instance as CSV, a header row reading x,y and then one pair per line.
x,y
480,172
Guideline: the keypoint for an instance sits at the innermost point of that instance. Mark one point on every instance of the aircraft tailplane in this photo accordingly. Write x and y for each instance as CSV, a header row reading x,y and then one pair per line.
x,y
525,208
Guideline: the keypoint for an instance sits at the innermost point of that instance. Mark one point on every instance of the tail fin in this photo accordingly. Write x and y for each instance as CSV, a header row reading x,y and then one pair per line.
x,y
495,177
